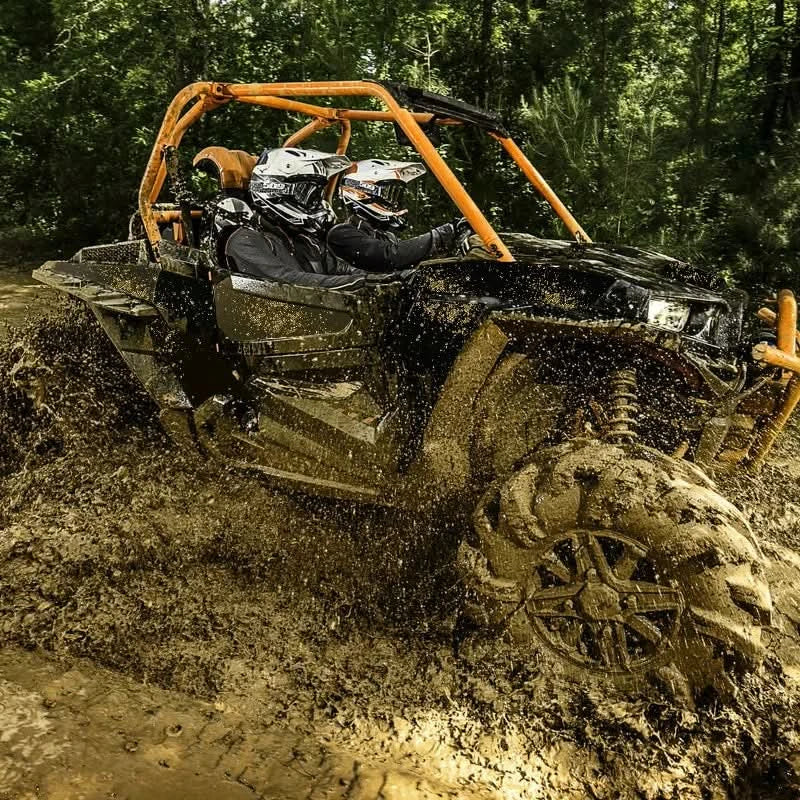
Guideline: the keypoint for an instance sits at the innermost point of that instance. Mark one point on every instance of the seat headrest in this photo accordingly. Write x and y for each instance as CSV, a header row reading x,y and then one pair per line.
x,y
233,167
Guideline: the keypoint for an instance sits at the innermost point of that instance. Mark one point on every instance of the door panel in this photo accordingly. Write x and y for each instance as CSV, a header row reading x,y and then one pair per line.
x,y
291,319
302,347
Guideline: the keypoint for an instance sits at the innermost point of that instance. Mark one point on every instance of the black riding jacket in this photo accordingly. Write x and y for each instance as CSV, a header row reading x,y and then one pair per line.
x,y
373,250
270,254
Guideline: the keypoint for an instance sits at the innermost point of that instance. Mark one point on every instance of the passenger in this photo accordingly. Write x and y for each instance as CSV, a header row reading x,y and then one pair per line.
x,y
285,240
373,196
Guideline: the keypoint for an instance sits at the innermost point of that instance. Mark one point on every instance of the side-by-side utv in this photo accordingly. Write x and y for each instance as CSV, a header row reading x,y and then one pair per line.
x,y
560,401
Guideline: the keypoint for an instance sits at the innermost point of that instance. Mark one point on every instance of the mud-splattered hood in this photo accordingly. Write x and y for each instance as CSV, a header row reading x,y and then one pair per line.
x,y
552,278
658,273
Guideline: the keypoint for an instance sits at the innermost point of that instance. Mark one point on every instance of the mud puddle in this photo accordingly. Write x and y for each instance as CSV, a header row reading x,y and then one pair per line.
x,y
302,648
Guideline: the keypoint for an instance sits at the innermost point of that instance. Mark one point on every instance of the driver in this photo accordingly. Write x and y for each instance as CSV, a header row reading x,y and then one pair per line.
x,y
285,239
372,194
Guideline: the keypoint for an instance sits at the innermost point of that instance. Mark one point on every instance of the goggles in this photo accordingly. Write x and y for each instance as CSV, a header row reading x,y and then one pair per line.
x,y
306,192
387,193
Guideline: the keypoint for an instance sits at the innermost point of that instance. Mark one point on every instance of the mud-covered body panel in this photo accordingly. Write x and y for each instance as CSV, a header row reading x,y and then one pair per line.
x,y
419,354
559,279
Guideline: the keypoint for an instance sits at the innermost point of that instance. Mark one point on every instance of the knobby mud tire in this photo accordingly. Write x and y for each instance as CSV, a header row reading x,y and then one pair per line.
x,y
622,564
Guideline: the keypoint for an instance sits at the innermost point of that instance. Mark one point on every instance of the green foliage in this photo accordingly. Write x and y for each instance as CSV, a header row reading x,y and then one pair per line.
x,y
660,124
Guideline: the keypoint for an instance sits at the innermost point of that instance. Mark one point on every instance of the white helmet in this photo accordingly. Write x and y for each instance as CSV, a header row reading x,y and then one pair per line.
x,y
230,212
227,216
374,190
288,186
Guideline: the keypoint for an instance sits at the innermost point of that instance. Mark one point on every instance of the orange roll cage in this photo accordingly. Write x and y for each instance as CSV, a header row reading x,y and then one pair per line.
x,y
783,356
208,96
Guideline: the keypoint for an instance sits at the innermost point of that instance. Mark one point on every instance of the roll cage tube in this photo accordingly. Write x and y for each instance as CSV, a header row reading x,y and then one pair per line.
x,y
208,96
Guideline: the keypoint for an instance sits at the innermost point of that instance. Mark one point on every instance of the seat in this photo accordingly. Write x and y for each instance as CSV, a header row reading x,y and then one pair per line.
x,y
233,167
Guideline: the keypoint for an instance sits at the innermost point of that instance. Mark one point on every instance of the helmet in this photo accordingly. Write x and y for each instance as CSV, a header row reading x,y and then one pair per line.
x,y
227,215
374,190
288,186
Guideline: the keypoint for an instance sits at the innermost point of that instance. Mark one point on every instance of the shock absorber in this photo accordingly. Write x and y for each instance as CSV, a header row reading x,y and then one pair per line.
x,y
624,408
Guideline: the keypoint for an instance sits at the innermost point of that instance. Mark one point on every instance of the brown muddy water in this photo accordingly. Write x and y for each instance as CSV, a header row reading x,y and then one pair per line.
x,y
174,630
21,297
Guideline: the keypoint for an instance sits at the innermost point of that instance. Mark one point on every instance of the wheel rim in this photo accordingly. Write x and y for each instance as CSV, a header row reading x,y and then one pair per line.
x,y
598,600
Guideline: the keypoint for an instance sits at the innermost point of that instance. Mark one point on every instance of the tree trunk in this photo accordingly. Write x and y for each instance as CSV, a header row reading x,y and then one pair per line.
x,y
698,71
750,41
774,76
713,92
791,108
383,59
192,35
485,49
603,76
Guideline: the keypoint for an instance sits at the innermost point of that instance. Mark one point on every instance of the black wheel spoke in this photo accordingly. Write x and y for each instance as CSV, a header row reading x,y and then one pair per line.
x,y
598,558
584,562
626,565
611,652
621,643
557,601
571,634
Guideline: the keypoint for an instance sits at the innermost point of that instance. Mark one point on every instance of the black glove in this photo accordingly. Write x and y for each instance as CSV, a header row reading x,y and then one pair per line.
x,y
463,228
340,267
444,238
449,238
463,232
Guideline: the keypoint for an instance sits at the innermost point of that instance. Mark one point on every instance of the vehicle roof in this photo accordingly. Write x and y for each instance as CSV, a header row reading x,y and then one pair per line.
x,y
442,106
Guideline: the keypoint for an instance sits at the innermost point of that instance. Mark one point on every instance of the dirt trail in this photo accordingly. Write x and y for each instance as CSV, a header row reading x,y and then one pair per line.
x,y
90,733
303,648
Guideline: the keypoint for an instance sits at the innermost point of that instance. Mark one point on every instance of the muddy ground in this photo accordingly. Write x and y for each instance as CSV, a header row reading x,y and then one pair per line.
x,y
171,630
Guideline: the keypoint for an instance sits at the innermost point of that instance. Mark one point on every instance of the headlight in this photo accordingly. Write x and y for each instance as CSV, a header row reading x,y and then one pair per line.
x,y
667,314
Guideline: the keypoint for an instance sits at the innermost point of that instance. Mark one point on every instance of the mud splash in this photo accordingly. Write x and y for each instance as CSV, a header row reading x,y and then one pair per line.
x,y
312,621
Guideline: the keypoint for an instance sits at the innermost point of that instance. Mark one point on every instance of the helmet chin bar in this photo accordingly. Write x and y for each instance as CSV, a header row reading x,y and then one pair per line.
x,y
372,207
285,214
387,220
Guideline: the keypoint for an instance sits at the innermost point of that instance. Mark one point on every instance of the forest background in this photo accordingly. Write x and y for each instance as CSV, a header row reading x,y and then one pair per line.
x,y
661,123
